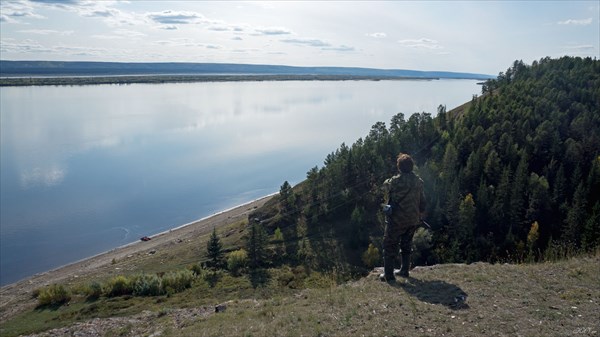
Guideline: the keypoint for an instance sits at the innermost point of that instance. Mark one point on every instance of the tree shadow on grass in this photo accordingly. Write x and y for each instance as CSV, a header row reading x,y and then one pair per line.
x,y
435,292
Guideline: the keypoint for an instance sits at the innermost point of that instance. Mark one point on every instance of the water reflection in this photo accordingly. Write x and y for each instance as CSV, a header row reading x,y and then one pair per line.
x,y
85,169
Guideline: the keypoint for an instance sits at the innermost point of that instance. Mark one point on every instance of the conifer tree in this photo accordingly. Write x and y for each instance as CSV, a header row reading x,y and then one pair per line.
x,y
214,250
256,246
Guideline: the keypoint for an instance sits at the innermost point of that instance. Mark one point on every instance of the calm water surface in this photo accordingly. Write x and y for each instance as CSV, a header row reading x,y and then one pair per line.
x,y
85,169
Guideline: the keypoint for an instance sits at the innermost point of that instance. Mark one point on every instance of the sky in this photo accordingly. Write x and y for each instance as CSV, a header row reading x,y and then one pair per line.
x,y
463,36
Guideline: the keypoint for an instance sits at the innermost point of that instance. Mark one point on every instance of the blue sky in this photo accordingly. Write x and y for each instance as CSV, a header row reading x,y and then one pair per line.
x,y
472,36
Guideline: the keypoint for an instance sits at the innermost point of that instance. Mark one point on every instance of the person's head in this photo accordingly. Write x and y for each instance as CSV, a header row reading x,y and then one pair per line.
x,y
404,163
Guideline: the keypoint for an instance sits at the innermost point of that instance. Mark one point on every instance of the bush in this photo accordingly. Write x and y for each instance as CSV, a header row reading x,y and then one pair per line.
x,y
119,286
53,295
94,291
237,261
196,269
175,282
147,285
293,278
371,256
421,246
559,250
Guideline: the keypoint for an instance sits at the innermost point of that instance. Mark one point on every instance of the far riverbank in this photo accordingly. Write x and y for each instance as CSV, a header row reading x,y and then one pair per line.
x,y
160,79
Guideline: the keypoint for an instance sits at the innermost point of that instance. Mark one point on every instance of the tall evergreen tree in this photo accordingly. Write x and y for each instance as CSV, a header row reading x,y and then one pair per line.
x,y
256,246
214,249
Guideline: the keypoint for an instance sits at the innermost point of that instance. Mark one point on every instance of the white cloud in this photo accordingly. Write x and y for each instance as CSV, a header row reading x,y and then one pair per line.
x,y
33,47
580,50
582,47
186,42
377,35
175,17
307,42
181,42
23,47
102,12
219,28
14,12
120,34
577,22
46,32
273,31
129,33
422,43
341,48
58,3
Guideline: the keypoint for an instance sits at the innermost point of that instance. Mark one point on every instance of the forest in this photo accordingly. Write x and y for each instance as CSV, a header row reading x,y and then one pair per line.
x,y
511,176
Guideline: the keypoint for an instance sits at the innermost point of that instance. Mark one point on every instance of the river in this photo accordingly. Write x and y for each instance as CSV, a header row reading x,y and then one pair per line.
x,y
84,169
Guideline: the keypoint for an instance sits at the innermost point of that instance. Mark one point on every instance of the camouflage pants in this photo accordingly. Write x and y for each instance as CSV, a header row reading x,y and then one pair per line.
x,y
395,236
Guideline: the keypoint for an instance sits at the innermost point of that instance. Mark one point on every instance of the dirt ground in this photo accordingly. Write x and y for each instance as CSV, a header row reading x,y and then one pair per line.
x,y
16,297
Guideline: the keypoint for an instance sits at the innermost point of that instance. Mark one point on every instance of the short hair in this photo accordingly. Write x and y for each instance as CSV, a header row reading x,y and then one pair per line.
x,y
405,163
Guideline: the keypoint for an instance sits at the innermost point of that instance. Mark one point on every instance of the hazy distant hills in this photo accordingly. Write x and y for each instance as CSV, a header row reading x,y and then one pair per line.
x,y
59,68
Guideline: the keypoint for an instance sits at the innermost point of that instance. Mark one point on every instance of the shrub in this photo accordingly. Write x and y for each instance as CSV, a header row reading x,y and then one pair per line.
x,y
94,290
237,261
371,256
53,295
421,246
177,281
559,250
119,286
196,269
293,278
147,285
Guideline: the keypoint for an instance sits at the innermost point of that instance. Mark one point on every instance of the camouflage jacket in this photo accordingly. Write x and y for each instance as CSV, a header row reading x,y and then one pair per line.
x,y
404,192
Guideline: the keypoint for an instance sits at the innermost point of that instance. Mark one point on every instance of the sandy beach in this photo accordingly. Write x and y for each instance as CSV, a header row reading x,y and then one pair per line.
x,y
17,296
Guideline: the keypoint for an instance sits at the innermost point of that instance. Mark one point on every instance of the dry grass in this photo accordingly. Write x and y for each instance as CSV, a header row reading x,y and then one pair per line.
x,y
548,299
553,299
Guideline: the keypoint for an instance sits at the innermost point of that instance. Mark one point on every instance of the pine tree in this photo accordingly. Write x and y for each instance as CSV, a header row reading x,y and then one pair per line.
x,y
256,246
517,201
214,250
466,225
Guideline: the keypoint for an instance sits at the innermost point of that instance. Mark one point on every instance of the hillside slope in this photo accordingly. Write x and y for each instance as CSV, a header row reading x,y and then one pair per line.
x,y
549,299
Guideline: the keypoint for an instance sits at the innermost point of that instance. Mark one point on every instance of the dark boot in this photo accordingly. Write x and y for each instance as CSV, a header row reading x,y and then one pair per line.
x,y
388,270
405,265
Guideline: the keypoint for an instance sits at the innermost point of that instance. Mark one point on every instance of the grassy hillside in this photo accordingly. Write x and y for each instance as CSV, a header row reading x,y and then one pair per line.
x,y
546,299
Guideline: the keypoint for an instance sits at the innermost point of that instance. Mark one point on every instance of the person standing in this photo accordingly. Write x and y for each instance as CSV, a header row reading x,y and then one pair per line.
x,y
405,200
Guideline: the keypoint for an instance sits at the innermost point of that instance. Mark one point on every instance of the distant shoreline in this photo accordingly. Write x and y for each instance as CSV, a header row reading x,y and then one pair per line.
x,y
41,80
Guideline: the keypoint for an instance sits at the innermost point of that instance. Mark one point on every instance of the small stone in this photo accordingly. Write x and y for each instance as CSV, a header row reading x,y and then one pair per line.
x,y
221,308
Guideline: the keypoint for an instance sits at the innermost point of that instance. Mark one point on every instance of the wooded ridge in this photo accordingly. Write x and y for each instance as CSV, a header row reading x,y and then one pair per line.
x,y
513,175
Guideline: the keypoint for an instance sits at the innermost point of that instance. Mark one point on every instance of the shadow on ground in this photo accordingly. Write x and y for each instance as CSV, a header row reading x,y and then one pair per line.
x,y
435,292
